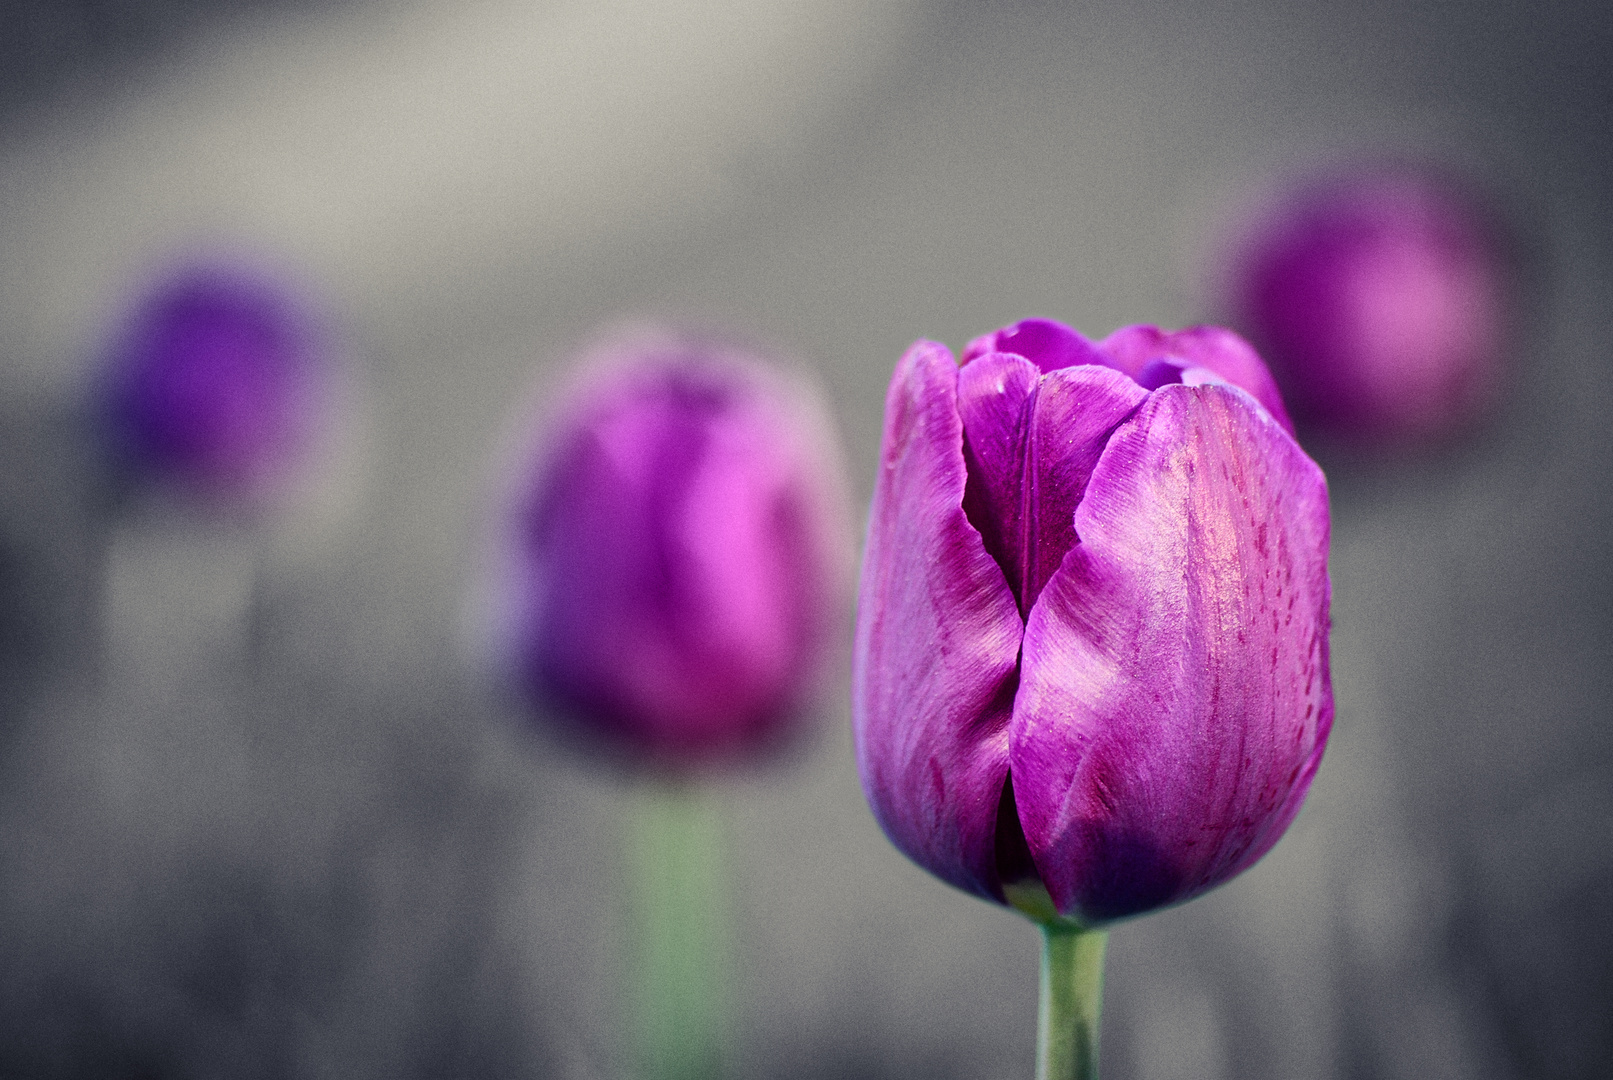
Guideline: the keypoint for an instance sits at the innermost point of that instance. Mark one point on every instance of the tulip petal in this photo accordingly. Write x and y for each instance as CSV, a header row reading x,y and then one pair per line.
x,y
1133,348
1047,344
1077,410
995,395
1175,697
937,641
996,398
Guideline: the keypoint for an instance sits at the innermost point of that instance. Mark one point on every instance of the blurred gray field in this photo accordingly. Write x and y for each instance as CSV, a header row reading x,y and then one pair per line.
x,y
259,815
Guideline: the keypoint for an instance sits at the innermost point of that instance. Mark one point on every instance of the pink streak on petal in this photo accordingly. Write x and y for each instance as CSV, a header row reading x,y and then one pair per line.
x,y
1175,697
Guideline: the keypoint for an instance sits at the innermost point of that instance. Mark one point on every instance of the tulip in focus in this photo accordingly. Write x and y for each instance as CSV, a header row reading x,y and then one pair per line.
x,y
679,552
1381,297
1091,669
217,383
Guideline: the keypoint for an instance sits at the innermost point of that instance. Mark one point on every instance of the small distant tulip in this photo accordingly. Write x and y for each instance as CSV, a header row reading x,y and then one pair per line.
x,y
1380,296
679,551
1091,669
215,385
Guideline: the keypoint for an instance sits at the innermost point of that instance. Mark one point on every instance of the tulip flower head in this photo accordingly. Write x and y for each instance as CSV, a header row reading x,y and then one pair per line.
x,y
1091,672
678,551
1380,296
215,386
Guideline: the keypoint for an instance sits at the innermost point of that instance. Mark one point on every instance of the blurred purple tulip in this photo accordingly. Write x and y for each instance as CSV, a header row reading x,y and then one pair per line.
x,y
1381,297
680,552
215,385
1091,650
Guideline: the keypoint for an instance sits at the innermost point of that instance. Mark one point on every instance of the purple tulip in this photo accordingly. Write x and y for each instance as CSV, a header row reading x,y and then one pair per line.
x,y
215,384
1381,297
680,552
1091,650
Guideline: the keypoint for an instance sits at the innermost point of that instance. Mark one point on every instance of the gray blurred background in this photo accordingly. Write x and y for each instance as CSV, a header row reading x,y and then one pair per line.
x,y
259,817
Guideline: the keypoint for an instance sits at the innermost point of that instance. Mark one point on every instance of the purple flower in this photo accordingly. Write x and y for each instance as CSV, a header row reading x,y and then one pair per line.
x,y
679,552
215,384
1380,296
1091,650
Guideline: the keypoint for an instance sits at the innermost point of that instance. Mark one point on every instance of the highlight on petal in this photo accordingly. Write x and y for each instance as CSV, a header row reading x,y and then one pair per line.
x,y
1143,352
937,646
1174,697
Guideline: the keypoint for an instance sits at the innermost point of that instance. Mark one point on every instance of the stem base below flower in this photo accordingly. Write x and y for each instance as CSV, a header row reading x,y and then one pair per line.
x,y
1071,1003
682,953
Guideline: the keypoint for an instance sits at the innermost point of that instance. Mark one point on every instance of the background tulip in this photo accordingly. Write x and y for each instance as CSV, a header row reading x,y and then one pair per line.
x,y
216,384
227,418
1381,296
1091,672
679,551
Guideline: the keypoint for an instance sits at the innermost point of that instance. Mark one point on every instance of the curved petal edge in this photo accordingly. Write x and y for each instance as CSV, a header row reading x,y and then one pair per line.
x,y
938,635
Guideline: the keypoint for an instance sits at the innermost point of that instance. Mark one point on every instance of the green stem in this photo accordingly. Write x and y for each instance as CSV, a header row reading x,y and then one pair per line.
x,y
1071,1002
681,950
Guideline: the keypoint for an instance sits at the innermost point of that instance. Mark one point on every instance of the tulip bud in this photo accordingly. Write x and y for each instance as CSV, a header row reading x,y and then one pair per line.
x,y
1091,672
215,384
676,552
1380,295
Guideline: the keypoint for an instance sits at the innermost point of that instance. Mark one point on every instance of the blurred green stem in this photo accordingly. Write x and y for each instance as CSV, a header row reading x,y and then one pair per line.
x,y
681,949
1071,1003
